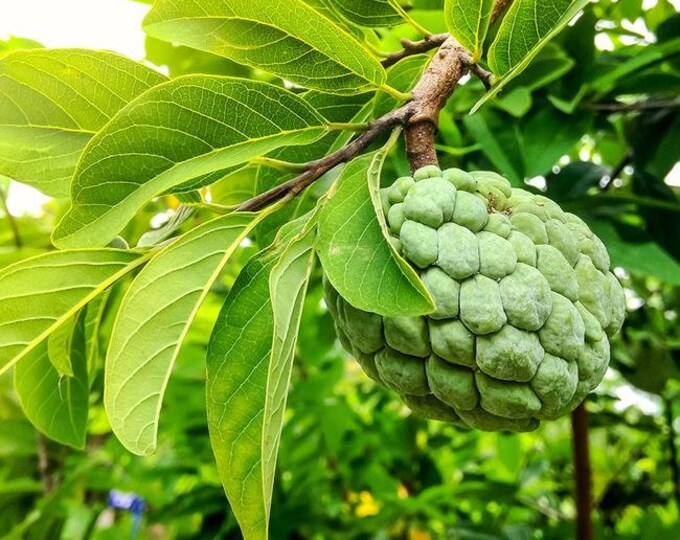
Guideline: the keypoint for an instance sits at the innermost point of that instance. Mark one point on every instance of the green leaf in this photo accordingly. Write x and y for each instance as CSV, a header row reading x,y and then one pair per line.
x,y
641,59
285,37
38,295
548,135
186,132
468,22
250,358
635,251
355,250
525,29
53,101
154,318
374,13
501,146
54,404
59,345
94,314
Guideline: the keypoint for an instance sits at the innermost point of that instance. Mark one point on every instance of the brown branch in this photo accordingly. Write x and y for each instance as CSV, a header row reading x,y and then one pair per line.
x,y
315,169
44,464
499,7
582,473
637,106
414,47
429,97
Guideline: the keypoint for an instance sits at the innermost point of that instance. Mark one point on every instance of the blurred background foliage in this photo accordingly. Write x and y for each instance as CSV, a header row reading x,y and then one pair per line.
x,y
595,124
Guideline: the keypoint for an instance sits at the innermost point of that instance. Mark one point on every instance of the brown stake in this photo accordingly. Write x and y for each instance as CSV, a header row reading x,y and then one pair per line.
x,y
582,474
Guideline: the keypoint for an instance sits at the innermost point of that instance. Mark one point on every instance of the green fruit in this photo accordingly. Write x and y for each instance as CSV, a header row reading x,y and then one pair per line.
x,y
525,304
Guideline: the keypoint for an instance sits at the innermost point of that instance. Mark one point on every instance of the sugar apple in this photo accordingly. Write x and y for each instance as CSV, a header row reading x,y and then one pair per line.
x,y
525,304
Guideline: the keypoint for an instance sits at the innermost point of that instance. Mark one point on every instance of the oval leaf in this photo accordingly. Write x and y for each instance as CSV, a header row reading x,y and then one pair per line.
x,y
468,22
55,404
285,37
250,358
354,249
522,34
53,101
153,320
191,129
38,295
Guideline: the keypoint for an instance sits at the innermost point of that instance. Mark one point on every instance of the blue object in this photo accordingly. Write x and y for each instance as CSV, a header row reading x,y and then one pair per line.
x,y
130,502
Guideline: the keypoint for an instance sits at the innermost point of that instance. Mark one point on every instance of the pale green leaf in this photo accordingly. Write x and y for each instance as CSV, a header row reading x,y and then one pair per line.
x,y
94,314
355,251
287,287
55,404
249,364
38,295
653,54
188,132
525,29
53,101
369,13
285,37
468,22
59,347
153,320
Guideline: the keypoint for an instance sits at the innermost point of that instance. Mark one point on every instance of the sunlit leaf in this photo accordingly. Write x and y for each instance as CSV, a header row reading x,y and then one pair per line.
x,y
185,132
468,22
354,249
38,295
285,37
525,29
249,366
51,104
154,318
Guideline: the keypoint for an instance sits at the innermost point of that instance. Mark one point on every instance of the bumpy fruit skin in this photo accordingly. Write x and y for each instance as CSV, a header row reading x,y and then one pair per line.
x,y
525,304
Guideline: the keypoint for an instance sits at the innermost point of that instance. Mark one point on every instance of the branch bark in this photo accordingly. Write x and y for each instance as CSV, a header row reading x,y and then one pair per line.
x,y
44,464
430,95
415,47
499,7
315,169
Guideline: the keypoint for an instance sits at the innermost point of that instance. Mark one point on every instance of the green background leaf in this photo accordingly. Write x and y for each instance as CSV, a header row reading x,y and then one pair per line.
x,y
188,131
285,37
53,101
